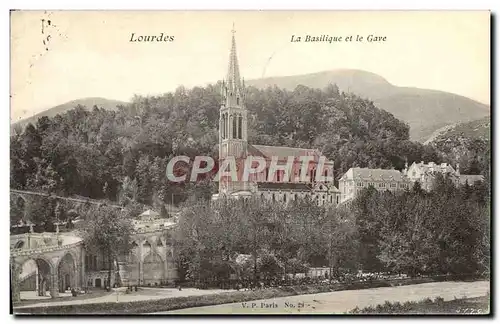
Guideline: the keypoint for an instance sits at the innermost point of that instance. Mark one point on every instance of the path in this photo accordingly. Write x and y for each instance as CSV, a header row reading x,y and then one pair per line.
x,y
343,301
144,293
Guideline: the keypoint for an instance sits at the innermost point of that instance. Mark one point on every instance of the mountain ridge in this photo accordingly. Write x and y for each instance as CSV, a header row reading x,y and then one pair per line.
x,y
88,102
424,110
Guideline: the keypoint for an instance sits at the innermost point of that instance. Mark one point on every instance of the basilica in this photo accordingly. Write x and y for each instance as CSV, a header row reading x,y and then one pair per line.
x,y
275,186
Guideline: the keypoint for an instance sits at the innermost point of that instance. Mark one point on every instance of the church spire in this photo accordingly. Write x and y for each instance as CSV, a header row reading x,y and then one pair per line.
x,y
233,72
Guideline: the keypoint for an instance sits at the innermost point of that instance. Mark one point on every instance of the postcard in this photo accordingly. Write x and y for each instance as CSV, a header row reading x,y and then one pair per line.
x,y
250,162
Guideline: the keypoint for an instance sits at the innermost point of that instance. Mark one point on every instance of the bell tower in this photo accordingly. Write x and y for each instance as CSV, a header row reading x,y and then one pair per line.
x,y
233,121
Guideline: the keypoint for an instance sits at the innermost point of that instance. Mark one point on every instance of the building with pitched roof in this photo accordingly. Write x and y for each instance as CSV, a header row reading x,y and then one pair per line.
x,y
283,186
355,179
426,173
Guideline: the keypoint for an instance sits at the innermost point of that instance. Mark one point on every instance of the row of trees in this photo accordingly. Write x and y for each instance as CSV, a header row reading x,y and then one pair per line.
x,y
413,232
443,231
254,238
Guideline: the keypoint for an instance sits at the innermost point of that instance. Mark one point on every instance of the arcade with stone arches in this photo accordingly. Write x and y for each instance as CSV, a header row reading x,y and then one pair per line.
x,y
41,268
150,262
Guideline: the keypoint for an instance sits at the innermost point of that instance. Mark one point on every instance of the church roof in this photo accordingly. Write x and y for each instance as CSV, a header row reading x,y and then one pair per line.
x,y
283,152
366,174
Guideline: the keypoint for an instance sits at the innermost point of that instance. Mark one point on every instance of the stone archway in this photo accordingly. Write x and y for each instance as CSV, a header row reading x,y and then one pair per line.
x,y
153,269
19,244
34,279
133,269
66,273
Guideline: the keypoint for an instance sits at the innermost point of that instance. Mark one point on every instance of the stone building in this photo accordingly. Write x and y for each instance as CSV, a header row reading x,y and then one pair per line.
x,y
355,179
426,173
151,261
45,264
281,185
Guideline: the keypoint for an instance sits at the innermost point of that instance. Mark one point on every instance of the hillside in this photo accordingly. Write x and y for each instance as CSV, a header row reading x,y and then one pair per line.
x,y
122,156
476,129
424,110
107,104
465,143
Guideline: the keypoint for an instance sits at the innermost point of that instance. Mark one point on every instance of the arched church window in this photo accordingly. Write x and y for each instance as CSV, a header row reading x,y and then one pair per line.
x,y
223,126
240,124
226,126
234,127
274,197
237,100
284,197
312,175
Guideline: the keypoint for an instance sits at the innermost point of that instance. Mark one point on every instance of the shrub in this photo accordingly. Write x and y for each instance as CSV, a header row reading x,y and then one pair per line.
x,y
439,300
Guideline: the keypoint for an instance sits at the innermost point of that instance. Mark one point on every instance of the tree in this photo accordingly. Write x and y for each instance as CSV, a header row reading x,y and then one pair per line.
x,y
338,230
107,231
128,192
40,211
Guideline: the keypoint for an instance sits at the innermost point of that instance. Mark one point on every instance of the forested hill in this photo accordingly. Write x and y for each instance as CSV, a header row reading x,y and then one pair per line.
x,y
122,155
476,129
424,110
107,104
466,143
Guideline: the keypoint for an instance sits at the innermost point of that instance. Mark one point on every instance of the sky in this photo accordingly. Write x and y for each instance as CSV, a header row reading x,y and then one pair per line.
x,y
89,53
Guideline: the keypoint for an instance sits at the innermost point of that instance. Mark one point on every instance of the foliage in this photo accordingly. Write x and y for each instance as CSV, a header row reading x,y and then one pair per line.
x,y
122,154
478,305
443,231
107,232
467,144
257,240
